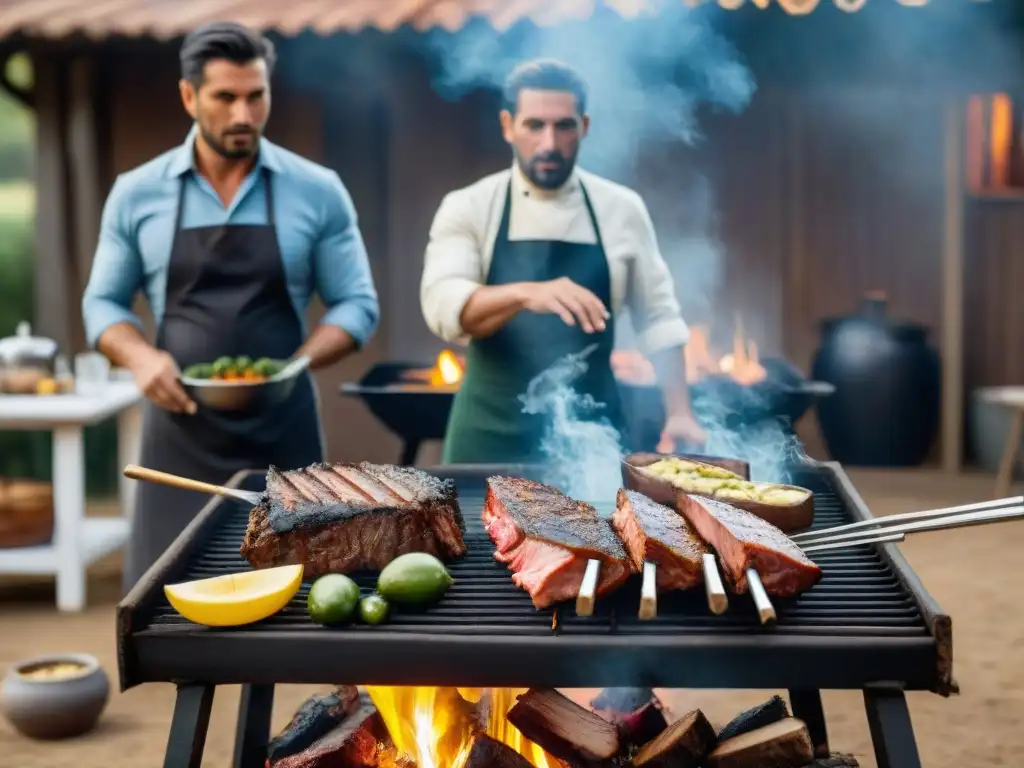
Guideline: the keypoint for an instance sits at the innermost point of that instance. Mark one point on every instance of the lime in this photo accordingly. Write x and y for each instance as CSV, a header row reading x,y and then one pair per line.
x,y
332,599
414,579
373,609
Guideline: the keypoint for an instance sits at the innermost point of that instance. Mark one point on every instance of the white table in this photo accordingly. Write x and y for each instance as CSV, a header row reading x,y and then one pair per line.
x,y
77,542
1011,398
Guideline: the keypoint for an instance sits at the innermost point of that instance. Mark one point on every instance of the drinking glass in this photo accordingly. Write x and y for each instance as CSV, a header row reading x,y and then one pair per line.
x,y
92,372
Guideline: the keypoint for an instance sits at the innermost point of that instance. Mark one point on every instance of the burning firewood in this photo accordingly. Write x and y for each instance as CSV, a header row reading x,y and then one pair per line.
x,y
315,718
771,711
564,728
785,744
684,744
636,712
490,753
361,739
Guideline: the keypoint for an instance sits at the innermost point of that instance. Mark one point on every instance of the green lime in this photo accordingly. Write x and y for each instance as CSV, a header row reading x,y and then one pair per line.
x,y
373,609
414,579
332,599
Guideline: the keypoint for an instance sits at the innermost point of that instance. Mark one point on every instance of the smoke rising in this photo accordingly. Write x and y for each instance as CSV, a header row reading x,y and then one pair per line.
x,y
646,75
581,454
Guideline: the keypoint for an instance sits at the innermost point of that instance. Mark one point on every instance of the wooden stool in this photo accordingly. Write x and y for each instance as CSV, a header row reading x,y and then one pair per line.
x,y
1011,398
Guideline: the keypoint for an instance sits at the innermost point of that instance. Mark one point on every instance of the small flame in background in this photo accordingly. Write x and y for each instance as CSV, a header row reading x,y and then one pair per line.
x,y
742,365
447,370
434,726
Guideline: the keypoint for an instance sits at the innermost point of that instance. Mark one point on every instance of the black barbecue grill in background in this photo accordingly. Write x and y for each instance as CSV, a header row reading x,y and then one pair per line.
x,y
417,413
868,625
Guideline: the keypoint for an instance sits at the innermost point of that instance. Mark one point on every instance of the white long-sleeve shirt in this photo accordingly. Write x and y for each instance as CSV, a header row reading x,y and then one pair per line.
x,y
465,228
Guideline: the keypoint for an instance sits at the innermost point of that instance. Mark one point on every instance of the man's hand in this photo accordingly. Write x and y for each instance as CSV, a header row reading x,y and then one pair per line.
x,y
571,302
156,374
682,428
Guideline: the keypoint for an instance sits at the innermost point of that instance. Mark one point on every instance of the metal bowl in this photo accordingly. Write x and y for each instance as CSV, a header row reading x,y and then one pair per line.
x,y
234,396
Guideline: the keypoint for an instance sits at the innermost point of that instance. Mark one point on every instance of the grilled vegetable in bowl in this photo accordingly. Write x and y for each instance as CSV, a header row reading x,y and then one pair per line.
x,y
787,507
236,369
241,383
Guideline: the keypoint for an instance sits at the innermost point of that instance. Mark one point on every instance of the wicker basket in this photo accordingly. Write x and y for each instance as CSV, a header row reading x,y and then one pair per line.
x,y
26,513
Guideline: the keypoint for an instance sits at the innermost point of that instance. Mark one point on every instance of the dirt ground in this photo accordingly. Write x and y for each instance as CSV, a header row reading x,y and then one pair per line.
x,y
969,571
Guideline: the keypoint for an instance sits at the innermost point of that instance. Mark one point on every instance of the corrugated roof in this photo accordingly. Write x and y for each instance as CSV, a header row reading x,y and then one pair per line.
x,y
172,18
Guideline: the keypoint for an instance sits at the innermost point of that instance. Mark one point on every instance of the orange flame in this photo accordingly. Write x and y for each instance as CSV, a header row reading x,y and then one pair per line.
x,y
448,369
434,727
742,364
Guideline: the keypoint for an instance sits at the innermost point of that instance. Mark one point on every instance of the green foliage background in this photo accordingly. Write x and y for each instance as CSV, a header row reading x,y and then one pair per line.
x,y
27,454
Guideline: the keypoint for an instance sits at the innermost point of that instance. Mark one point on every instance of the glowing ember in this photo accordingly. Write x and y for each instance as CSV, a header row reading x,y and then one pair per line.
x,y
434,726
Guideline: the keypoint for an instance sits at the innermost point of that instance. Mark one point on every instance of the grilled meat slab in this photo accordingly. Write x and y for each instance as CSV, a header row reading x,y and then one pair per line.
x,y
659,535
743,541
339,518
546,539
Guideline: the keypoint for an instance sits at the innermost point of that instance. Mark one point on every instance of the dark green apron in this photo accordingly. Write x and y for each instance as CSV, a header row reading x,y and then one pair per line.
x,y
487,424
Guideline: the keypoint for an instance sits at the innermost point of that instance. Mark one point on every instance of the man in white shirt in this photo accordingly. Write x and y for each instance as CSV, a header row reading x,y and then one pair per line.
x,y
534,263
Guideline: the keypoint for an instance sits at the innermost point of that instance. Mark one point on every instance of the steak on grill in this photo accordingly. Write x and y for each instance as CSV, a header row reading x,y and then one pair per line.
x,y
339,518
659,535
546,539
743,541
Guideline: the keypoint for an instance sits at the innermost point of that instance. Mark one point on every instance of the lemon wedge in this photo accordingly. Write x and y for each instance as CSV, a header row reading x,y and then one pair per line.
x,y
237,598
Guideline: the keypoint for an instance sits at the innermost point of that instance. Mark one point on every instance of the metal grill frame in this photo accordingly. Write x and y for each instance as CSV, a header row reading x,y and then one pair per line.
x,y
630,653
198,659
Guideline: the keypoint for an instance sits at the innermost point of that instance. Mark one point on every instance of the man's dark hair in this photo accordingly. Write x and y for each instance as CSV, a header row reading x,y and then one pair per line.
x,y
543,75
222,40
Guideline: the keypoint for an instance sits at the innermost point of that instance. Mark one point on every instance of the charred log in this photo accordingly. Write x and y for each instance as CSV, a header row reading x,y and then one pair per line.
x,y
564,728
636,712
771,711
785,744
684,744
360,741
835,761
622,700
315,717
490,753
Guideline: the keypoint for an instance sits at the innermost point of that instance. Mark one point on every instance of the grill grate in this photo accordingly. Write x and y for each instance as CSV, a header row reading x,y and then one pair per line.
x,y
858,596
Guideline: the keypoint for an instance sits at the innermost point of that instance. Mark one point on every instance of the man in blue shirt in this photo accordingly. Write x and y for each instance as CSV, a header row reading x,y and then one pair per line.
x,y
228,236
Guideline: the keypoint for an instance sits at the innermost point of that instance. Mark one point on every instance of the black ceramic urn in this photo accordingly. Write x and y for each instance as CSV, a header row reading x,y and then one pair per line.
x,y
885,410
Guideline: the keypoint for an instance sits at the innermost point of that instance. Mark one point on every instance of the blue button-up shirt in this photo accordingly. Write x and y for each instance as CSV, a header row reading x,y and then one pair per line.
x,y
317,232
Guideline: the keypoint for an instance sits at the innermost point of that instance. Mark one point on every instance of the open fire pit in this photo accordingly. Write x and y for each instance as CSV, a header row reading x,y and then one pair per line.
x,y
868,620
730,391
413,401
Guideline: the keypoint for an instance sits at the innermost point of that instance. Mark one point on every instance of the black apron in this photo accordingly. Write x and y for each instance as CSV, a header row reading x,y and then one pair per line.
x,y
487,423
226,295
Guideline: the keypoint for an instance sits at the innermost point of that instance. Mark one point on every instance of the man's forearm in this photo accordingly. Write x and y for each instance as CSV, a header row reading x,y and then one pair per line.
x,y
490,307
124,345
327,345
671,372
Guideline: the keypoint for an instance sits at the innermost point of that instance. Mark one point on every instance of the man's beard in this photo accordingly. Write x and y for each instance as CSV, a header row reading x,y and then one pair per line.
x,y
547,179
220,146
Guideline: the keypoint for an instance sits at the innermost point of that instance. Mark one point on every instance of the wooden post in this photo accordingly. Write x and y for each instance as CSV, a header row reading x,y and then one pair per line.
x,y
53,309
953,292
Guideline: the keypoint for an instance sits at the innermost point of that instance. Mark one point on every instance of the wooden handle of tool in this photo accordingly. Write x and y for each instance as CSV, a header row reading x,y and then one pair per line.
x,y
136,472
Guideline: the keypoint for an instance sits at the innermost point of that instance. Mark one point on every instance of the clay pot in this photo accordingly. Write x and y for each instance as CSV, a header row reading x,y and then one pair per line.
x,y
45,705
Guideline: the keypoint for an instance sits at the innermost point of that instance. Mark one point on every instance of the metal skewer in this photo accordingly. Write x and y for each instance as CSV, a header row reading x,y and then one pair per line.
x,y
765,609
718,601
879,539
588,589
928,514
939,524
649,593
